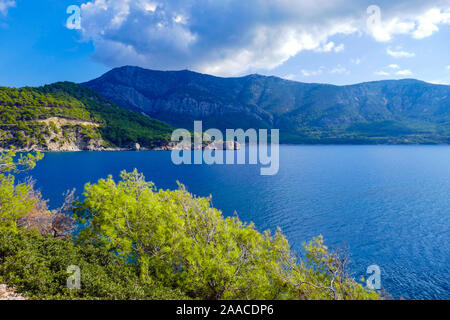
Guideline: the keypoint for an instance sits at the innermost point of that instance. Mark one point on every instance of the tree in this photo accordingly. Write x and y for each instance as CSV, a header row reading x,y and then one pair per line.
x,y
179,240
14,198
37,266
8,163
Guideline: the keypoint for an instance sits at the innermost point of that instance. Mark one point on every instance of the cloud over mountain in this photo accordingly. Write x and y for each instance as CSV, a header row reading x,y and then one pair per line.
x,y
234,36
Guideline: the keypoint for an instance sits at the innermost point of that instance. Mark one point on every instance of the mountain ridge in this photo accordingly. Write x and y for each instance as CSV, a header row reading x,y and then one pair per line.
x,y
265,76
385,111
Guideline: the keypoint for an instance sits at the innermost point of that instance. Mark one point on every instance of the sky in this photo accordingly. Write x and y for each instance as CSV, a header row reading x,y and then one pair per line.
x,y
328,41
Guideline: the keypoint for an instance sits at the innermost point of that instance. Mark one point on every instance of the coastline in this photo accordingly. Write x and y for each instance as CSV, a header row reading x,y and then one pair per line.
x,y
171,146
213,146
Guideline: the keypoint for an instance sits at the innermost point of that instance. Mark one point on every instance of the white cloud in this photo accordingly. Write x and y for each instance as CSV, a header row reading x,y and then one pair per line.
x,y
428,23
399,53
227,38
268,48
382,73
339,70
448,67
405,72
440,81
330,46
393,67
356,61
385,31
180,19
418,24
5,4
289,76
310,73
326,48
233,37
148,6
339,48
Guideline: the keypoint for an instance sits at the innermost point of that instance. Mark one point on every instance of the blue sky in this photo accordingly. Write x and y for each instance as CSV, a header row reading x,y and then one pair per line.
x,y
328,41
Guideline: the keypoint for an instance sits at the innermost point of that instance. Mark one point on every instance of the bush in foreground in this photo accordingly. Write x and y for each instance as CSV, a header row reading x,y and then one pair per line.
x,y
137,242
15,200
180,241
37,266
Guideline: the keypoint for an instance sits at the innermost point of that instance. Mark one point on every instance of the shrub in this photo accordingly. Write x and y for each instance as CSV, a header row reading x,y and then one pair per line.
x,y
57,223
37,266
181,241
15,201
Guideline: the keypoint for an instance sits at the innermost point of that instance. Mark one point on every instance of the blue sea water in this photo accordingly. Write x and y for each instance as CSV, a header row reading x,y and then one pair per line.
x,y
388,205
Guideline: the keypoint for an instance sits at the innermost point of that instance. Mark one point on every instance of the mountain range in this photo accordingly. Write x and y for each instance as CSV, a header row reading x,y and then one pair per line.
x,y
392,111
131,107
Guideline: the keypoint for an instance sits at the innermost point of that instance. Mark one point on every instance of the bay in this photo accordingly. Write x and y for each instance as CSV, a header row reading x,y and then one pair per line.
x,y
388,205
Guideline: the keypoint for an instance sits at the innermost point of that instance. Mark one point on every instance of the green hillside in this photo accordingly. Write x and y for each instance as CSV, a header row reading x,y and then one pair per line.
x,y
53,115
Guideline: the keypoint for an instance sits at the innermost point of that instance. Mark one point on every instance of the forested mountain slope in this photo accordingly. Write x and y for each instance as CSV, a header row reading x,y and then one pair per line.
x,y
69,117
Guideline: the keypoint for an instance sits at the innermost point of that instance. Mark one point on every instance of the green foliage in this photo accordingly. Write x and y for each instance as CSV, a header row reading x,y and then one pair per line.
x,y
27,104
21,112
54,127
23,163
14,203
181,241
37,266
21,109
14,199
120,127
324,275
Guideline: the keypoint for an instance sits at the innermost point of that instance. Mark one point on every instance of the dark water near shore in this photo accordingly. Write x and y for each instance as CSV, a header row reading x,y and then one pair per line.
x,y
389,205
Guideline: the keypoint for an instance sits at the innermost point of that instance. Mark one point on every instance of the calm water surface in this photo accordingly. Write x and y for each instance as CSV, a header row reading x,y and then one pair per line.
x,y
389,205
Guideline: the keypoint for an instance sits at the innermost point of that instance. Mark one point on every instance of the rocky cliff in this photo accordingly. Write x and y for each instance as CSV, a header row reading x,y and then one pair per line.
x,y
56,134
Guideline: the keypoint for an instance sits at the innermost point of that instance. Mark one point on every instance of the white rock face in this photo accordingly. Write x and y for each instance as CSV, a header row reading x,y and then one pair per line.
x,y
7,293
66,135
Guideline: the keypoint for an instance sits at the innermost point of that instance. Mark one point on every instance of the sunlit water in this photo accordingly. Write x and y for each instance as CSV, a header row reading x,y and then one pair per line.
x,y
389,205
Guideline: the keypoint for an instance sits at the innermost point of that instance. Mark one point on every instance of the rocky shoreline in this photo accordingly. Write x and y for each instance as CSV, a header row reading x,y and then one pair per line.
x,y
8,293
228,145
